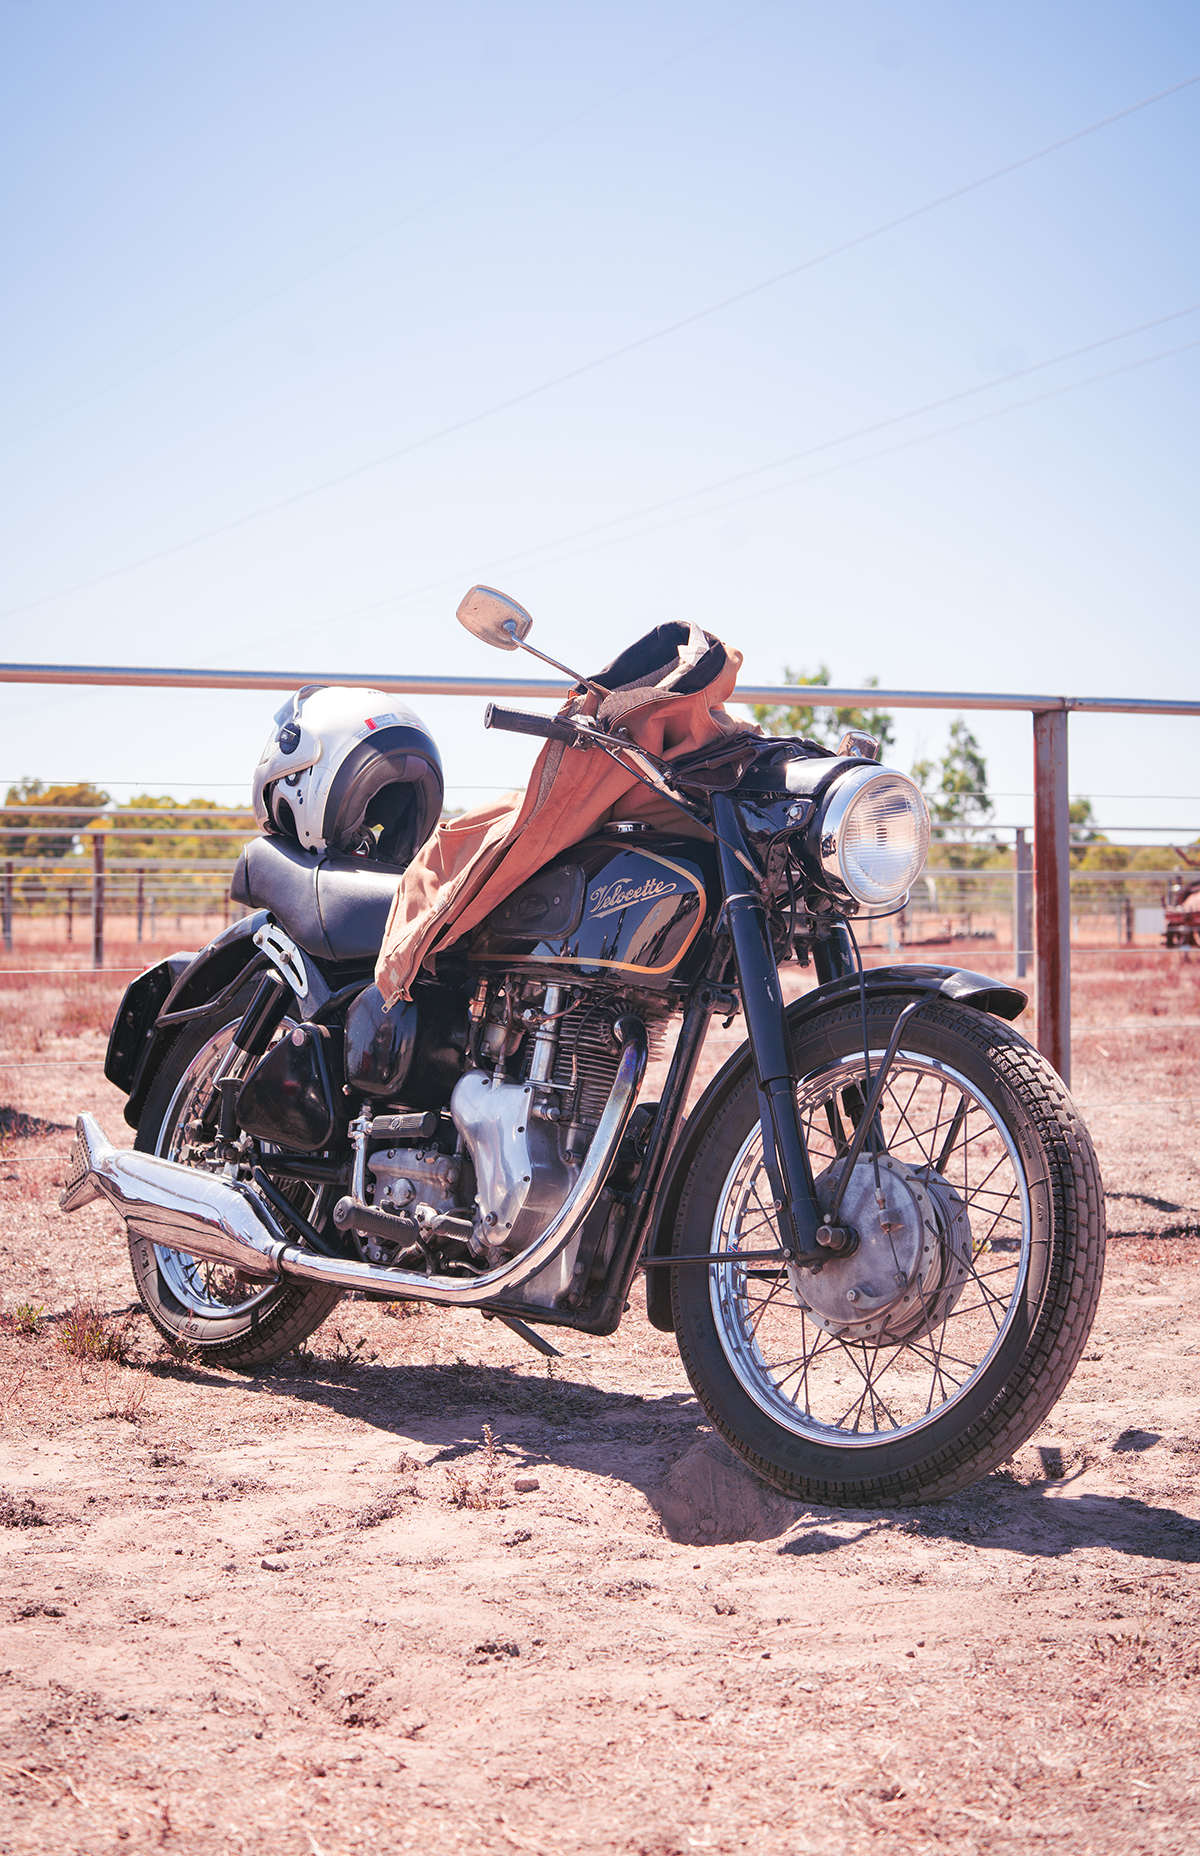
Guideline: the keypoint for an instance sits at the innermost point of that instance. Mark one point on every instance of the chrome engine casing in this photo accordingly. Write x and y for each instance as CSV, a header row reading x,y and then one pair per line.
x,y
521,1173
403,1174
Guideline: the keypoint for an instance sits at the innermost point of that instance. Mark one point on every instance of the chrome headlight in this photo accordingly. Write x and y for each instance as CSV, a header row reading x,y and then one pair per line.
x,y
873,835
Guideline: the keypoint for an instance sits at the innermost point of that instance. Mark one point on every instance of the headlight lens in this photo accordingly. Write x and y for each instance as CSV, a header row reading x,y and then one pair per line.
x,y
874,835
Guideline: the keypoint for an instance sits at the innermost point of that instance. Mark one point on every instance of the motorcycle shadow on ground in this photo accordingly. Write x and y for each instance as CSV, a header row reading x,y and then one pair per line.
x,y
662,1447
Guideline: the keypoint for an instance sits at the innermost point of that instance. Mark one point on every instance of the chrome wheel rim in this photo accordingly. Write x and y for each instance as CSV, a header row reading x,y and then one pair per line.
x,y
837,1388
209,1291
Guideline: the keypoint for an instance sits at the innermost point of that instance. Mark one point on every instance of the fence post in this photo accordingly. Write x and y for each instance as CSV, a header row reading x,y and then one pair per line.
x,y
141,902
97,899
8,899
1052,887
1022,904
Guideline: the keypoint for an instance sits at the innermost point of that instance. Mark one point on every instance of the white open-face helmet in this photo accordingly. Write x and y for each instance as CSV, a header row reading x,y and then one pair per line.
x,y
349,770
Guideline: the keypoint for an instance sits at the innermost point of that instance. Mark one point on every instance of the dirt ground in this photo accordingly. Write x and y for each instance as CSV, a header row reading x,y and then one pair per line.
x,y
324,1610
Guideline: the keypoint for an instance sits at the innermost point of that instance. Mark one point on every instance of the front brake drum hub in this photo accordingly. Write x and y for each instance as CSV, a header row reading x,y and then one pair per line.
x,y
912,1260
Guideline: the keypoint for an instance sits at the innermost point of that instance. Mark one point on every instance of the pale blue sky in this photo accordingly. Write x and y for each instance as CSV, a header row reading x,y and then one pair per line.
x,y
249,248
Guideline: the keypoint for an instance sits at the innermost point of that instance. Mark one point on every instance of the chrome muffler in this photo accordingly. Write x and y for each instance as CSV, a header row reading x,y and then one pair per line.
x,y
219,1220
179,1207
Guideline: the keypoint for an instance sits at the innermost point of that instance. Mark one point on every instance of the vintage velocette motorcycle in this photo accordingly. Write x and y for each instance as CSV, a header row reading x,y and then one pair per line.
x,y
878,1235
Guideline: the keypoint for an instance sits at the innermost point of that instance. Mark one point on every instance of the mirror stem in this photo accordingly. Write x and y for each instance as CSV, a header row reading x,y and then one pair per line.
x,y
597,689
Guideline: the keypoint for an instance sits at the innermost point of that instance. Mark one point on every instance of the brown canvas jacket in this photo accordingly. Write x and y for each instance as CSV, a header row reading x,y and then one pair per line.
x,y
667,691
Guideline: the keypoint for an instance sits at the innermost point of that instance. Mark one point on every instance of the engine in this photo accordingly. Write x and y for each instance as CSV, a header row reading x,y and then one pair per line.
x,y
515,1089
477,1182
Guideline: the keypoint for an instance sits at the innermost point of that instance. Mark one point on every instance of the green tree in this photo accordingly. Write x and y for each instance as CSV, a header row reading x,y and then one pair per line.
x,y
166,835
825,725
82,801
1083,833
165,839
49,857
955,789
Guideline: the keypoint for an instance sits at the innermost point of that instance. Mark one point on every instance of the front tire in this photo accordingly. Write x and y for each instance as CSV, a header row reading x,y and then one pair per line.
x,y
863,1387
207,1307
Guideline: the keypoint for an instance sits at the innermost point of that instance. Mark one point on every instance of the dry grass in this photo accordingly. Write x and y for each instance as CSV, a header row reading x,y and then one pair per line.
x,y
310,1362
24,1320
87,1005
87,1334
485,1491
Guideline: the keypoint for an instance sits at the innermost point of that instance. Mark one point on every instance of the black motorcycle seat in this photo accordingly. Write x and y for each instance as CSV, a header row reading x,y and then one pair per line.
x,y
334,907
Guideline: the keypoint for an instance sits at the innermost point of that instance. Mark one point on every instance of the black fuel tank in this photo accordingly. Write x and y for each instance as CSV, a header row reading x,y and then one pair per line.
x,y
642,904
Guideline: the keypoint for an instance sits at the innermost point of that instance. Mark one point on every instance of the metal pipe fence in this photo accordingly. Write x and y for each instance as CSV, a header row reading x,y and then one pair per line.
x,y
1048,873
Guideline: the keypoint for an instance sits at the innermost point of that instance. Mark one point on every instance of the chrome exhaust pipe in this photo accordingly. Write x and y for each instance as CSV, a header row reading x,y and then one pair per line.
x,y
179,1207
221,1221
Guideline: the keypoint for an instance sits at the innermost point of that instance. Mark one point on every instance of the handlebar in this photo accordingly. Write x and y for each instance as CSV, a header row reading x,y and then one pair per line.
x,y
524,722
644,766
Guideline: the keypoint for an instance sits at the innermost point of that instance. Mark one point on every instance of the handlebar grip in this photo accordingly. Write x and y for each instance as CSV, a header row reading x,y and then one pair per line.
x,y
522,722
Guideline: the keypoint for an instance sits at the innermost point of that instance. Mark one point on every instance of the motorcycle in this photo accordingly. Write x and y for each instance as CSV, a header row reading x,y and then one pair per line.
x,y
878,1234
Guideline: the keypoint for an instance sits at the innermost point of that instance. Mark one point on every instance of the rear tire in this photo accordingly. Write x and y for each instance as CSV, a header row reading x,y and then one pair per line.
x,y
847,1390
206,1307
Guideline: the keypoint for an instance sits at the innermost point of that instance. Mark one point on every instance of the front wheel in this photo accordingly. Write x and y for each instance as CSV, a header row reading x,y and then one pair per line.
x,y
229,1319
917,1364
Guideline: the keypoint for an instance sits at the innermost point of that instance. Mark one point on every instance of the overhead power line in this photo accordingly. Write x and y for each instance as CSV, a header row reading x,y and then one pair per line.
x,y
598,361
827,444
393,225
885,451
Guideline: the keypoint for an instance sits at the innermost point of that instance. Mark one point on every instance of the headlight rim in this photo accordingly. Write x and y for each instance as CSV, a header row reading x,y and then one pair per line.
x,y
828,832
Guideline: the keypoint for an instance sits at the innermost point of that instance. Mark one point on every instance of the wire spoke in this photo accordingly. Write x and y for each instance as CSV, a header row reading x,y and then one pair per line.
x,y
796,1355
756,1322
902,1118
870,1387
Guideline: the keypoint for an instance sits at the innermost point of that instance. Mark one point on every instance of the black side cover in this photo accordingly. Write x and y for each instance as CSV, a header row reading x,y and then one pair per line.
x,y
289,1097
379,1043
334,907
413,1052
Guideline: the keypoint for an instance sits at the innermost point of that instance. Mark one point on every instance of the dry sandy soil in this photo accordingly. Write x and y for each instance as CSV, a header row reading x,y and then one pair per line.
x,y
313,1612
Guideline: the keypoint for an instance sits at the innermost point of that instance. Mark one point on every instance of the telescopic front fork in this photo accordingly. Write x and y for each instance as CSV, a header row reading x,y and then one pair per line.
x,y
784,1152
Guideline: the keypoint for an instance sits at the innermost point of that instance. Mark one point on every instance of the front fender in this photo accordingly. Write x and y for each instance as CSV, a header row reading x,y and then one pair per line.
x,y
955,983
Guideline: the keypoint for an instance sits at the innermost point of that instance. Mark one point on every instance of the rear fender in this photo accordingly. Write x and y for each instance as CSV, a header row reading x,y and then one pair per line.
x,y
132,1039
214,967
963,988
140,1039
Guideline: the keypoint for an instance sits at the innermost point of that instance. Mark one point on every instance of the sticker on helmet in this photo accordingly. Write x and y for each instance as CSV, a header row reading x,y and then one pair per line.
x,y
382,721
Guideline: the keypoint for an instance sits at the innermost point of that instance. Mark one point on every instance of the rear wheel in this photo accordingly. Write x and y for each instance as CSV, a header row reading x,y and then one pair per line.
x,y
915,1365
207,1306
